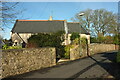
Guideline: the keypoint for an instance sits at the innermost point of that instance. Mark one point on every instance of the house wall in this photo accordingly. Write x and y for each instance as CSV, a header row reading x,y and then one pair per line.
x,y
67,39
15,37
85,36
81,35
25,36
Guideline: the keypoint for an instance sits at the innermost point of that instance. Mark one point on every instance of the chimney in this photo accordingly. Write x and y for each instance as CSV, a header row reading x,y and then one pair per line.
x,y
51,18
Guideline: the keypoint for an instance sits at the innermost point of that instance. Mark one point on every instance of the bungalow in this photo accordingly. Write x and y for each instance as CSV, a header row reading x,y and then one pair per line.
x,y
23,29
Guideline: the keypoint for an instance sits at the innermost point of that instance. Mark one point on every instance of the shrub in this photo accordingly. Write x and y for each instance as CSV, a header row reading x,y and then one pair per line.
x,y
44,40
5,47
15,47
108,40
74,35
8,42
67,51
48,40
93,39
116,39
118,57
76,41
83,42
33,41
60,51
102,39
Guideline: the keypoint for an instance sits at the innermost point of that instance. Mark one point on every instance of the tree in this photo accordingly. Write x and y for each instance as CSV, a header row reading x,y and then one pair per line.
x,y
8,13
98,22
84,20
104,22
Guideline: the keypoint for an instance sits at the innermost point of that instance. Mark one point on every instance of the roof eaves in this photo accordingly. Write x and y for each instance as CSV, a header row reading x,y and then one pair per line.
x,y
14,26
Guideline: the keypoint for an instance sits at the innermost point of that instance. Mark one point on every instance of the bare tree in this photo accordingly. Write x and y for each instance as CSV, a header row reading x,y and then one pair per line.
x,y
104,22
8,13
98,22
85,20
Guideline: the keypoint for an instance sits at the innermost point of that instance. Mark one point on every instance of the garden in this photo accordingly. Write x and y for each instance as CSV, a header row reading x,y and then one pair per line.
x,y
57,38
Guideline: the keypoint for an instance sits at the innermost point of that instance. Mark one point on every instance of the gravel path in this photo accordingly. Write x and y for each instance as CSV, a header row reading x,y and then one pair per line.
x,y
97,66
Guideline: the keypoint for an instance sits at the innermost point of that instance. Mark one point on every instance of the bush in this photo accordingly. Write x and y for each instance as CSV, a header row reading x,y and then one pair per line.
x,y
15,47
83,42
74,35
76,41
118,57
60,51
67,51
106,39
5,47
116,39
48,40
93,39
45,40
8,42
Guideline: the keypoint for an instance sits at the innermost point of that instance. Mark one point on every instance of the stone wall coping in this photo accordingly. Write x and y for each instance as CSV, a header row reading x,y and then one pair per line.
x,y
26,49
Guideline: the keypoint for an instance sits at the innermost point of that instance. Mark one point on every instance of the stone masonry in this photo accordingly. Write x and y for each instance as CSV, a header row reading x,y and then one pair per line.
x,y
26,60
93,49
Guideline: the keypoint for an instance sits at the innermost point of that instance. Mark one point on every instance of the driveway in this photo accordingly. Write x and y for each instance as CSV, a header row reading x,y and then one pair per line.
x,y
101,65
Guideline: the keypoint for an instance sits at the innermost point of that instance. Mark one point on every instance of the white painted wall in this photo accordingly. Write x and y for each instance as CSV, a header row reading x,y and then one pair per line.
x,y
68,41
85,36
24,36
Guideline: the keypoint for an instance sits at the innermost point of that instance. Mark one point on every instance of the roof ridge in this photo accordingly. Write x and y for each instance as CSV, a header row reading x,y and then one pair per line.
x,y
72,22
40,20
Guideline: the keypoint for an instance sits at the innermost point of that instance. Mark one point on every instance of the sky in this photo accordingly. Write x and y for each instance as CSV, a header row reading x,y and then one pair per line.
x,y
59,10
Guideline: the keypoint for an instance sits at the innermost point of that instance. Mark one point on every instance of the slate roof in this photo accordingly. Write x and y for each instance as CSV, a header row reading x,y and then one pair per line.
x,y
75,27
37,26
45,26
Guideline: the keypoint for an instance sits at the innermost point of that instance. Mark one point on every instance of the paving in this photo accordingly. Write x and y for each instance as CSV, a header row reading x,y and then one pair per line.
x,y
100,65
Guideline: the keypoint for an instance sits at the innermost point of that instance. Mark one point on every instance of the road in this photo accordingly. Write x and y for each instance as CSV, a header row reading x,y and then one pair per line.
x,y
97,66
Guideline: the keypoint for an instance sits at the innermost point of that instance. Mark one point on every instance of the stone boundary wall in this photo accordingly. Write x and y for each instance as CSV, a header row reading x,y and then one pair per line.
x,y
74,53
99,48
26,60
93,49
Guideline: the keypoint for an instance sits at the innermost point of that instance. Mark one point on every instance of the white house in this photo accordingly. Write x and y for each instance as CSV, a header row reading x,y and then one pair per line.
x,y
23,29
